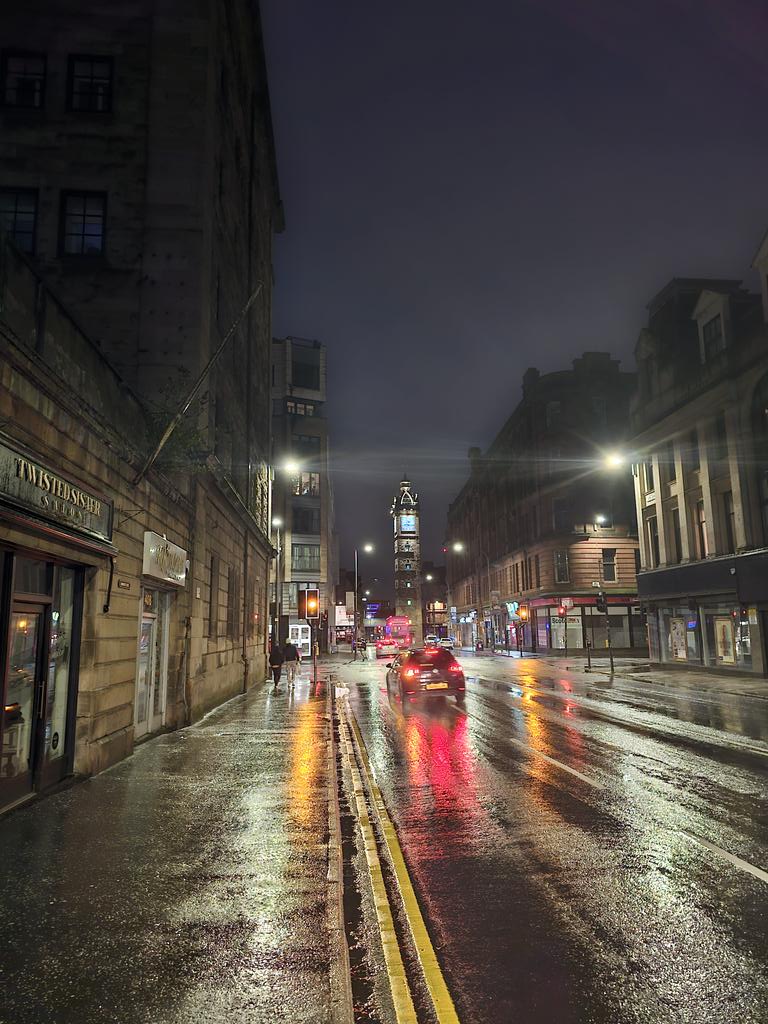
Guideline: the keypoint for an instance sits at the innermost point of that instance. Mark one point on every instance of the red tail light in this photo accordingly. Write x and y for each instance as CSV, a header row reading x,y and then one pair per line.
x,y
409,673
454,668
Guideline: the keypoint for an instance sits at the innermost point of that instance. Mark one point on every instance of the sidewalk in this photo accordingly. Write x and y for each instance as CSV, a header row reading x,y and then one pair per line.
x,y
188,883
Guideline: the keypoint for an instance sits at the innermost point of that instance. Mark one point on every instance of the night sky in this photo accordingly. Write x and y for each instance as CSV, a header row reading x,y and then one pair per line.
x,y
474,188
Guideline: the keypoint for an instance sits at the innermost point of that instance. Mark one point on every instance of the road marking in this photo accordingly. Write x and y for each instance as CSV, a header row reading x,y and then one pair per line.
x,y
557,764
445,1011
398,982
744,865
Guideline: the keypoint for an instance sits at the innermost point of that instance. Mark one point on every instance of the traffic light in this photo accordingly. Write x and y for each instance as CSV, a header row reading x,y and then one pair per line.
x,y
312,604
601,602
302,604
562,611
522,611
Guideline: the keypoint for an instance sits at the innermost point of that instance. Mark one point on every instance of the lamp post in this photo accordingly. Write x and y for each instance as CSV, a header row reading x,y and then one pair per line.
x,y
277,523
368,548
459,547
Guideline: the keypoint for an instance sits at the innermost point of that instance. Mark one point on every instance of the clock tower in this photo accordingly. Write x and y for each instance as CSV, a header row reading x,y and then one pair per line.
x,y
405,515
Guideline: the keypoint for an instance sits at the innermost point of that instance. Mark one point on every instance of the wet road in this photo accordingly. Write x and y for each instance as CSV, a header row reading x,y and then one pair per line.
x,y
584,850
188,883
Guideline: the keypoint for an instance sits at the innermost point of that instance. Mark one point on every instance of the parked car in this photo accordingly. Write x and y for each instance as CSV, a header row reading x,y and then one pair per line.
x,y
386,646
426,671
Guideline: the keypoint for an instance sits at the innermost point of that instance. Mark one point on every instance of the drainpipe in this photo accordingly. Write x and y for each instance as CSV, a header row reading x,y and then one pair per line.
x,y
244,655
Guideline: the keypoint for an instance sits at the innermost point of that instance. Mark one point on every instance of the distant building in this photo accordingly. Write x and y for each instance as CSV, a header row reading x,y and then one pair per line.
x,y
406,515
303,500
541,522
434,595
700,421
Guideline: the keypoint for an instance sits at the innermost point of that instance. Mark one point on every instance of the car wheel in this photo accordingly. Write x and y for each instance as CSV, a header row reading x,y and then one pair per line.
x,y
460,699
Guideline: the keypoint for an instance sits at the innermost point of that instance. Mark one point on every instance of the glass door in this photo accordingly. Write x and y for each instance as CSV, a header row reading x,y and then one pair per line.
x,y
152,665
145,673
23,700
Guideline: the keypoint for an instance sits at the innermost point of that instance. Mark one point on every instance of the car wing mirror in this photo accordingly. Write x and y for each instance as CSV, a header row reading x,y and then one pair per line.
x,y
389,664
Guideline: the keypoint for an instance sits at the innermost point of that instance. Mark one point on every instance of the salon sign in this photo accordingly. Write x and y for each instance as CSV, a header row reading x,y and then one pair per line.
x,y
164,560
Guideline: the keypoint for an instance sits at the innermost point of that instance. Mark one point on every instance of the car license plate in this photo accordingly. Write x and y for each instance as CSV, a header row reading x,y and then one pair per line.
x,y
436,686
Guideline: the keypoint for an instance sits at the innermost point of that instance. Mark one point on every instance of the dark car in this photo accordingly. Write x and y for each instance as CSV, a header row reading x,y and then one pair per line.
x,y
430,671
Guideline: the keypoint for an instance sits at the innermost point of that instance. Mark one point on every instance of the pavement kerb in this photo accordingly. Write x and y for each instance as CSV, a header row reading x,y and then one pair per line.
x,y
342,1002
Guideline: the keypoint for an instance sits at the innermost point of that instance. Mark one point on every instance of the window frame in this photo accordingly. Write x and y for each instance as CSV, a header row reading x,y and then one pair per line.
x,y
612,562
93,58
4,58
33,192
85,194
557,555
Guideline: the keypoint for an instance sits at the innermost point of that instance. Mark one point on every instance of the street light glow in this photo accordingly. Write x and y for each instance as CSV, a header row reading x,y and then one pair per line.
x,y
600,518
457,545
428,577
291,466
368,548
614,460
277,521
367,593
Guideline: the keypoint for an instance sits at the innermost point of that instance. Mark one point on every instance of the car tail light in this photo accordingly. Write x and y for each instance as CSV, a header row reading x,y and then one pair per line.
x,y
454,668
409,673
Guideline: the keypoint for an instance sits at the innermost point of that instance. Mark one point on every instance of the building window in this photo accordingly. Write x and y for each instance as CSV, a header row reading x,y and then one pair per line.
x,y
552,414
729,524
561,567
299,408
720,445
90,84
561,515
306,444
609,565
700,530
652,534
648,476
305,558
537,570
305,375
669,459
213,597
83,217
18,216
599,410
307,485
233,603
23,80
637,561
306,520
677,544
712,336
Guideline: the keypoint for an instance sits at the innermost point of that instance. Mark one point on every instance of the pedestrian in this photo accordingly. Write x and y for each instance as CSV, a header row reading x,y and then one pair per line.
x,y
292,660
276,659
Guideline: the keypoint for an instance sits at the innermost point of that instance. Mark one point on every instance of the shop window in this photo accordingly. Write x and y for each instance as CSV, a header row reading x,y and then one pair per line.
x,y
307,485
712,337
700,529
83,222
90,84
561,567
23,80
728,636
729,523
33,577
609,565
18,216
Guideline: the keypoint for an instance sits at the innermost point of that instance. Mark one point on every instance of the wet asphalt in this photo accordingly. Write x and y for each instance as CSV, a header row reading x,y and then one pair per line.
x,y
569,838
188,883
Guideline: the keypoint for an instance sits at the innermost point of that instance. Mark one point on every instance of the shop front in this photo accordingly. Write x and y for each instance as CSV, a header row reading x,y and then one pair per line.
x,y
164,572
51,530
578,623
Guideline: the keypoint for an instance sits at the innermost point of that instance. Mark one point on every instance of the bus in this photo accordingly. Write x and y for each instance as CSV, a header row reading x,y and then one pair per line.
x,y
398,628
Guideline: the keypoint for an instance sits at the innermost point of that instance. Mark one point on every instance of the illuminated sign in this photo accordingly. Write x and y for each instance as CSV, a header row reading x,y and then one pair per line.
x,y
407,524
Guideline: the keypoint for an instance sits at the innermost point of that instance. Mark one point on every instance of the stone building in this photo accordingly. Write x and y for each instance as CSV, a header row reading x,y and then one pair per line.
x,y
700,445
303,494
542,521
434,595
138,177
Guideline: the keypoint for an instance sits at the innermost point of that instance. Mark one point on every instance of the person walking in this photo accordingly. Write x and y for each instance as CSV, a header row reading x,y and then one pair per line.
x,y
276,659
292,660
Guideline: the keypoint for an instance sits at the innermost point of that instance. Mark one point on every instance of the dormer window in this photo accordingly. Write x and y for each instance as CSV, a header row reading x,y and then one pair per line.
x,y
712,337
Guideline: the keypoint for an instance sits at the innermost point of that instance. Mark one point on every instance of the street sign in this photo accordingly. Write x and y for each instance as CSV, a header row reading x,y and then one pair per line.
x,y
567,602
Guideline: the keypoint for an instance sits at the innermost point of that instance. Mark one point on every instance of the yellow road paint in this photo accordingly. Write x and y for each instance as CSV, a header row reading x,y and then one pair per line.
x,y
433,975
398,982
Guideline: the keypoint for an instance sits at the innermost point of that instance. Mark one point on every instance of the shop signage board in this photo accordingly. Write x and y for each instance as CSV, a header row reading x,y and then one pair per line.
x,y
677,640
33,486
164,560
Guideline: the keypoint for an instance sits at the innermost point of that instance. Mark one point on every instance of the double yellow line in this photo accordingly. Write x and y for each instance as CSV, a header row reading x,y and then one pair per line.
x,y
445,1011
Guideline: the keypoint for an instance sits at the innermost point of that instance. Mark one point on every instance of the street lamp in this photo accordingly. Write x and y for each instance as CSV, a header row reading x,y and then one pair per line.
x,y
459,547
614,460
367,548
429,577
277,523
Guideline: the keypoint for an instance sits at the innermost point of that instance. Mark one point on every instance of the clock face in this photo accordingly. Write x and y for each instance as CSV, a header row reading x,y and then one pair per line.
x,y
407,524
